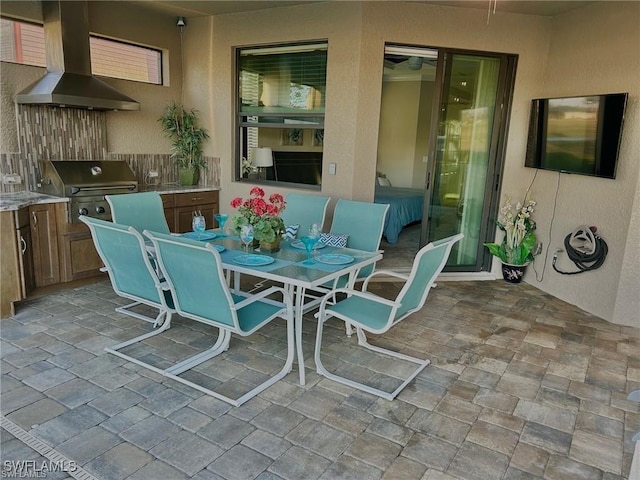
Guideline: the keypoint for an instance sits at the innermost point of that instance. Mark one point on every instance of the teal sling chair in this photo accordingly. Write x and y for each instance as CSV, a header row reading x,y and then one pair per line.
x,y
371,313
193,272
363,224
304,211
123,251
142,211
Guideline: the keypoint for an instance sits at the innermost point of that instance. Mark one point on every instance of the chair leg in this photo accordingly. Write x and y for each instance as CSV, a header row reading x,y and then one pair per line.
x,y
221,345
171,373
125,311
362,340
115,349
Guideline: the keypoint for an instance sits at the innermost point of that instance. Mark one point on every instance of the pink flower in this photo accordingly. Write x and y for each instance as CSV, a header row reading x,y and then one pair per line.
x,y
257,192
256,208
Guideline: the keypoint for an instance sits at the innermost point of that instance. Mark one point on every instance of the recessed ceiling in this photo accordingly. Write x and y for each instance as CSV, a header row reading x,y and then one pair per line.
x,y
188,8
547,8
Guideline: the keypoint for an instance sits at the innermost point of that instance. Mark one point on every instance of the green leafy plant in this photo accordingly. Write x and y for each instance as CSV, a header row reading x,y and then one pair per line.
x,y
181,126
263,215
519,233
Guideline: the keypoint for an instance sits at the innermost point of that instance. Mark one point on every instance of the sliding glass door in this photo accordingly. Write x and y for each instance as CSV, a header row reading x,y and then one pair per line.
x,y
469,131
461,101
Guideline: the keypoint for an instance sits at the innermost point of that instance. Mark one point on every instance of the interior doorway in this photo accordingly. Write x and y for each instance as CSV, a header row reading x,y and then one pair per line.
x,y
443,126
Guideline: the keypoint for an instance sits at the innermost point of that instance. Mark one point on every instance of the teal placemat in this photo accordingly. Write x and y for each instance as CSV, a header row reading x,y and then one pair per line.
x,y
325,267
227,257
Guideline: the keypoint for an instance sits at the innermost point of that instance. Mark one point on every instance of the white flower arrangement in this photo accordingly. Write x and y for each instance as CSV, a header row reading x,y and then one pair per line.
x,y
247,167
519,237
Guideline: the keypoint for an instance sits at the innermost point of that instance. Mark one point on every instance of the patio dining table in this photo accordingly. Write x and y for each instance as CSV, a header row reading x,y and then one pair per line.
x,y
288,268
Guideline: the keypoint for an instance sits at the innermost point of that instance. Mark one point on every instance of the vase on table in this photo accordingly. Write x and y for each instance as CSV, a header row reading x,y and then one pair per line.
x,y
270,246
513,273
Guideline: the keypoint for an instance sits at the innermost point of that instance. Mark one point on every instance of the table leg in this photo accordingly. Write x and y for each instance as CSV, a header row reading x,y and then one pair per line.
x,y
350,284
236,282
298,312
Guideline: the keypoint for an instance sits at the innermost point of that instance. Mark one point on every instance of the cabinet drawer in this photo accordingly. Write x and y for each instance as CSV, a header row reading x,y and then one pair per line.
x,y
195,198
168,200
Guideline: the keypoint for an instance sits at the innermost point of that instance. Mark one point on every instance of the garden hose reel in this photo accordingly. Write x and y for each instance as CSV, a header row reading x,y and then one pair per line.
x,y
585,248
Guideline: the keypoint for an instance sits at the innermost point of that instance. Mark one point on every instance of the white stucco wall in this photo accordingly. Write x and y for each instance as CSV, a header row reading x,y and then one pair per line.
x,y
398,133
340,24
596,50
357,33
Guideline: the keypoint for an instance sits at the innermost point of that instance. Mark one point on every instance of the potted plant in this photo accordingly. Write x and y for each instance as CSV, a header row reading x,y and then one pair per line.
x,y
181,126
263,215
516,249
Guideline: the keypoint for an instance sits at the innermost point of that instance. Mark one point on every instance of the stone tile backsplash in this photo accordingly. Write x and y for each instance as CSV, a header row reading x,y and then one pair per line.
x,y
53,133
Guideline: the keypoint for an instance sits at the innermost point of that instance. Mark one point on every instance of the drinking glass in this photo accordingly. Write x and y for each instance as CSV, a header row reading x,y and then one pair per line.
x,y
314,231
246,235
221,218
309,242
198,224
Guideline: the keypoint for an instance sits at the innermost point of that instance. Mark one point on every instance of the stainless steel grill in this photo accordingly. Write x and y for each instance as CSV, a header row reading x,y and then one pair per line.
x,y
85,183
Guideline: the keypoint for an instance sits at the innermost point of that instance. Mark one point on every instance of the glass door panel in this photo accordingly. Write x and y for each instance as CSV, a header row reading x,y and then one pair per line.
x,y
463,155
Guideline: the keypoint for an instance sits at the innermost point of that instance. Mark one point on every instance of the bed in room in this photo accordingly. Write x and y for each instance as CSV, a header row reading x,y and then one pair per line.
x,y
405,207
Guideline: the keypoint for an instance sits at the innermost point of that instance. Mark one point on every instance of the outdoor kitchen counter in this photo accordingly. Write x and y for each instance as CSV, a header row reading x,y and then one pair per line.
x,y
16,200
161,189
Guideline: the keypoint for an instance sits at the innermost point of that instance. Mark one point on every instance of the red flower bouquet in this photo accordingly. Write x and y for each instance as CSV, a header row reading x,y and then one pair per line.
x,y
263,215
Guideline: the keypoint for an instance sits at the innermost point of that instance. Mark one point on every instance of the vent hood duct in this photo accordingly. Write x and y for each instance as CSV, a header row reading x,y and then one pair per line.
x,y
68,81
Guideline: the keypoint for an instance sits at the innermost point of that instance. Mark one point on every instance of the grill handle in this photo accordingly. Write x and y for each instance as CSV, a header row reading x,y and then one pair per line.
x,y
75,190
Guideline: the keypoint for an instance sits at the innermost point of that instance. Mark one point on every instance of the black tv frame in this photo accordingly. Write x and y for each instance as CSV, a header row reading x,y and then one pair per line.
x,y
605,140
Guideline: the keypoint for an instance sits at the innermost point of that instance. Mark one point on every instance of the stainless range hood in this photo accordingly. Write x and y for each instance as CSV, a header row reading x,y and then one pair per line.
x,y
68,81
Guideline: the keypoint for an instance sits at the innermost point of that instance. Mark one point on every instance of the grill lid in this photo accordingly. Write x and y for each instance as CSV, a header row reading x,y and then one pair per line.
x,y
75,177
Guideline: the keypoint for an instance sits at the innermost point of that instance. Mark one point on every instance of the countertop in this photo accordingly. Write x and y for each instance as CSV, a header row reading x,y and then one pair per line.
x,y
176,188
17,200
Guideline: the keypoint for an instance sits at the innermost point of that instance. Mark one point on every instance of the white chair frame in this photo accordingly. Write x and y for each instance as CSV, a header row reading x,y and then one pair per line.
x,y
326,312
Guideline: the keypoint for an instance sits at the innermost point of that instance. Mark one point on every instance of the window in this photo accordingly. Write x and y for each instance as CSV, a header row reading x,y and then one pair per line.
x,y
110,58
23,43
281,99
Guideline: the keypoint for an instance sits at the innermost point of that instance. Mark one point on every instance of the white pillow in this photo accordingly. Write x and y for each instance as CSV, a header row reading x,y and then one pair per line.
x,y
334,240
291,231
384,182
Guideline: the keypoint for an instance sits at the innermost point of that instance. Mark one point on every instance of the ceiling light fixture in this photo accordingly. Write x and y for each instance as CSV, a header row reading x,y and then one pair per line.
x,y
180,23
415,63
494,2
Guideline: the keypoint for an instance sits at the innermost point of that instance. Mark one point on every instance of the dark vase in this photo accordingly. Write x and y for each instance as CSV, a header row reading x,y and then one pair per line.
x,y
270,246
513,273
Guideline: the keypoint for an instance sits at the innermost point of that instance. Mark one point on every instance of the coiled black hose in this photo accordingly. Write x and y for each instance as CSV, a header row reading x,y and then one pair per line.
x,y
584,261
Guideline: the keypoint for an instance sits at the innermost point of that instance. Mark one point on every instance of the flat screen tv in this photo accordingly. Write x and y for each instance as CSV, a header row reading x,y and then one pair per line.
x,y
576,134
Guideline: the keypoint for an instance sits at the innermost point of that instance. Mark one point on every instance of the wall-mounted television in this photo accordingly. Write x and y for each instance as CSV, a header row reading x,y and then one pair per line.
x,y
576,134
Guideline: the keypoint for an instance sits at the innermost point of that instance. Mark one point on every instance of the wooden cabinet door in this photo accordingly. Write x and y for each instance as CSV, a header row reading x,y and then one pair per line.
x,y
44,237
187,203
10,283
185,214
168,205
25,249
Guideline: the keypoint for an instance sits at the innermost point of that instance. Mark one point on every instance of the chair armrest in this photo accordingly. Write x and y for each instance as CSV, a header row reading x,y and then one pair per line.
x,y
389,273
367,295
286,297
